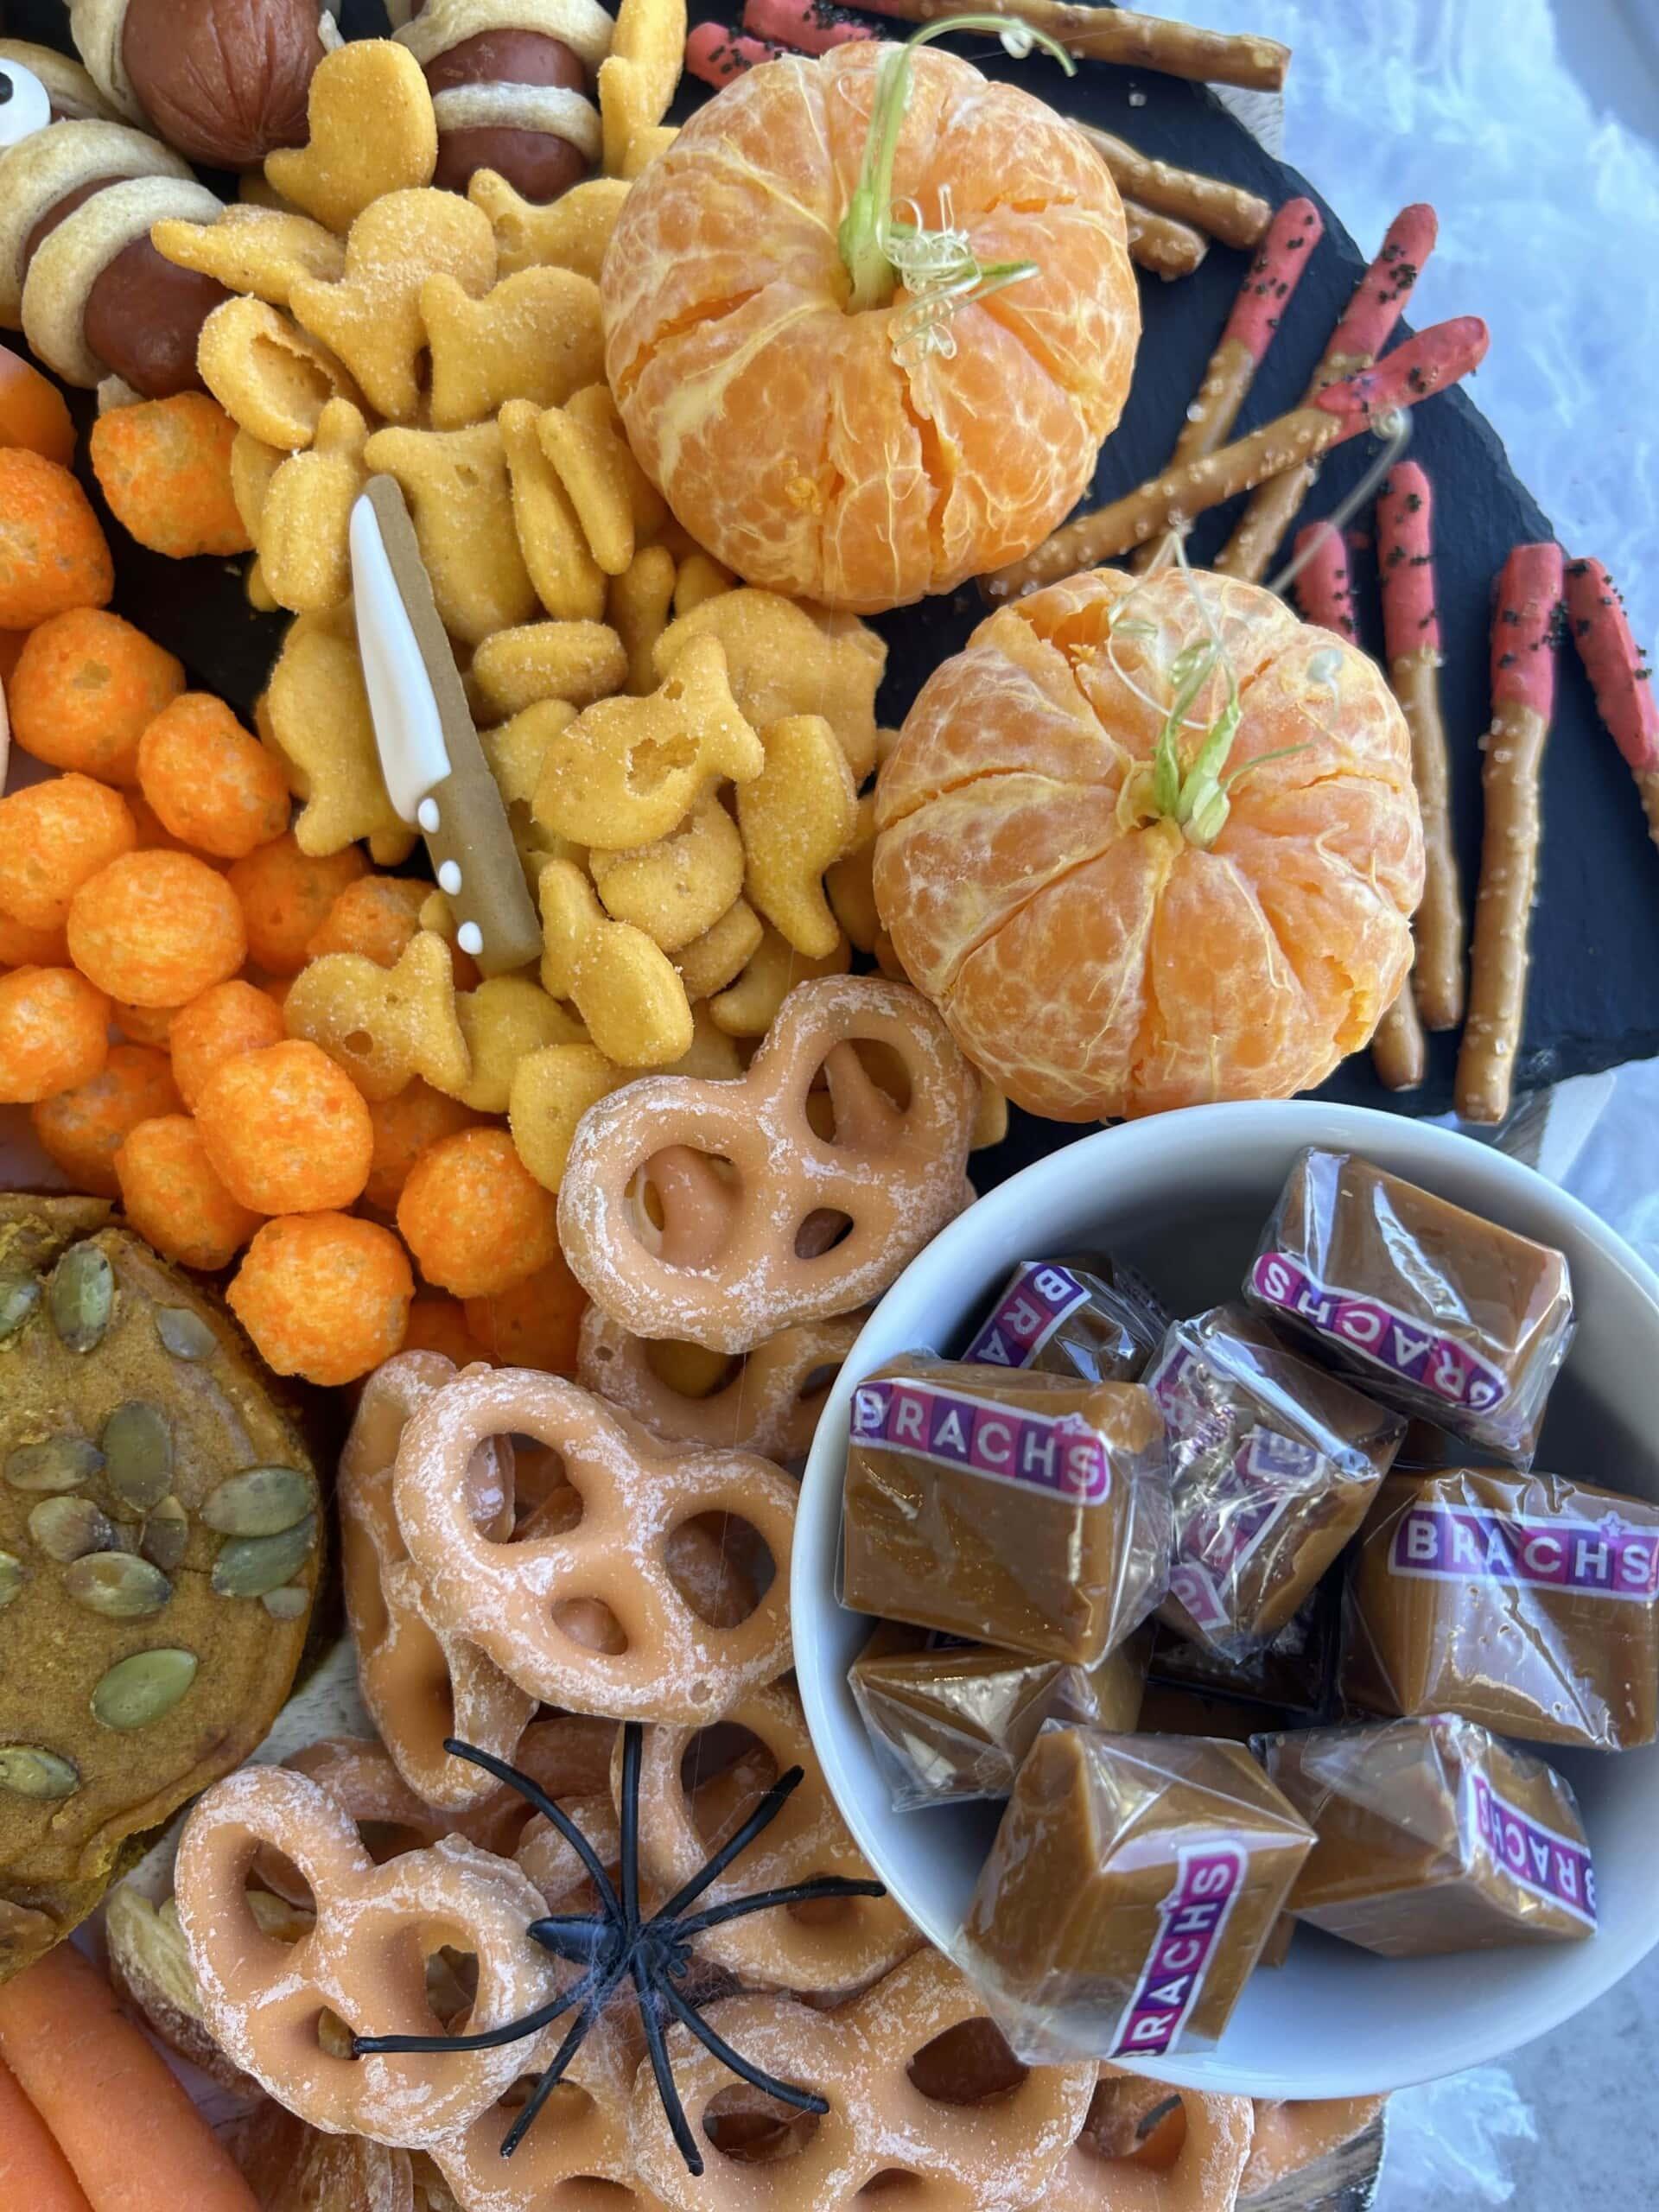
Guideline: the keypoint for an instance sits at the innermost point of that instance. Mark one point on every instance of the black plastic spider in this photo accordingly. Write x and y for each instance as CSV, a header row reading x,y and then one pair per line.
x,y
616,1943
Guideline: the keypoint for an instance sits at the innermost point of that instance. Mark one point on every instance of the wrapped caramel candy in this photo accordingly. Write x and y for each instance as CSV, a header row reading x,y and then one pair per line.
x,y
1273,1462
953,1721
1131,1887
1433,1836
1017,1509
1292,1670
1085,1316
1526,1602
1440,1314
1108,1694
1167,1712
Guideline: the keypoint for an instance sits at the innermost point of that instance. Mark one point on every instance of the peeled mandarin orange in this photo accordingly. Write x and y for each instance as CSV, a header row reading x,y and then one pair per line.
x,y
1094,953
863,456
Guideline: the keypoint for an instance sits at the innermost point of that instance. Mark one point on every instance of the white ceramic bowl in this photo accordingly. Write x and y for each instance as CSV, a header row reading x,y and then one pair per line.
x,y
1183,1198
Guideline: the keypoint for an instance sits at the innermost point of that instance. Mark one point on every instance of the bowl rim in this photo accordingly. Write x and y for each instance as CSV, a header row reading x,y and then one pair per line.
x,y
1294,1123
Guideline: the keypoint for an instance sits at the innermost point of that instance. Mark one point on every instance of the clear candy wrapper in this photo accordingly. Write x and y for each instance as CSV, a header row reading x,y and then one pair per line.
x,y
1017,1509
1429,1307
1128,1893
952,1721
1528,1602
1434,1837
1294,1669
1085,1316
1273,1461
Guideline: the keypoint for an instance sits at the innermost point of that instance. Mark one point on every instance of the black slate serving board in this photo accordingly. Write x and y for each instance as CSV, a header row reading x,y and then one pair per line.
x,y
1594,999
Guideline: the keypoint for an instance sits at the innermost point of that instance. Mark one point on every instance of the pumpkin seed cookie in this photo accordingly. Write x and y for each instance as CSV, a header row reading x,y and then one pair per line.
x,y
160,1551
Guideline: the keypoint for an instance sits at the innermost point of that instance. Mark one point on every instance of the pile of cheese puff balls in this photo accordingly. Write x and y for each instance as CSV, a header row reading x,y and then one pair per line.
x,y
152,888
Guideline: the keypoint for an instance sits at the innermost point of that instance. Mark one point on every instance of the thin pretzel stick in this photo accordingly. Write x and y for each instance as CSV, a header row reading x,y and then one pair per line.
x,y
1620,678
1434,358
1355,342
1411,627
1523,699
1227,212
1169,249
1257,313
810,26
1117,34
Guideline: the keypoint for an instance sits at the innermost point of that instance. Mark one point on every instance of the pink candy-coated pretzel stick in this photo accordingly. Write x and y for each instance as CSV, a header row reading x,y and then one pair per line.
x,y
1524,632
1325,591
1618,675
1226,211
1423,365
1256,314
1119,35
1411,628
1357,342
809,26
715,55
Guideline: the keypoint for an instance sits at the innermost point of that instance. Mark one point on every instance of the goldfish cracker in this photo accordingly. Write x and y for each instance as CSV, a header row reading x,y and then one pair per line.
x,y
595,411
270,379
625,987
677,888
535,1322
589,460
369,130
286,1129
53,1033
577,661
404,1126
552,1091
637,605
21,947
86,688
534,335
377,915
156,929
52,554
305,514
798,817
568,233
505,1018
748,1007
257,249
439,1324
164,467
32,412
718,957
700,577
850,885
210,781
461,499
285,896
253,468
474,1217
54,836
323,1296
144,1024
82,1129
384,1025
568,581
316,715
175,1200
225,1022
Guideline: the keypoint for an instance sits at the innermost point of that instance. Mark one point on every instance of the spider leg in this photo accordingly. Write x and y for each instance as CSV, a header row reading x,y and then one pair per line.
x,y
532,1794
762,1817
554,2074
679,2127
632,1743
490,2039
745,2069
825,1886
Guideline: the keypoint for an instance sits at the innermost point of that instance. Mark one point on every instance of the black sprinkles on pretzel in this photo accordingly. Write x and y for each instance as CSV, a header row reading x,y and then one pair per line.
x,y
616,1943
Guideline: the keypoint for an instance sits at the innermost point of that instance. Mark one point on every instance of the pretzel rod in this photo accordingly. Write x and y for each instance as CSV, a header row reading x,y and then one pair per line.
x,y
1157,242
1358,339
1256,314
1227,212
1118,34
1412,629
1619,676
809,26
1523,698
1434,358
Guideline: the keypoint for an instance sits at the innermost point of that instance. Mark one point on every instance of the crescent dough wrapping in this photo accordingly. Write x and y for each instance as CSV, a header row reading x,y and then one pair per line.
x,y
71,261
39,171
552,108
583,24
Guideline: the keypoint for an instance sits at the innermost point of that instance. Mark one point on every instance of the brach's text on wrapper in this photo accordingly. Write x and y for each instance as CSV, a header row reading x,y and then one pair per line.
x,y
1434,1837
1427,1307
1084,1316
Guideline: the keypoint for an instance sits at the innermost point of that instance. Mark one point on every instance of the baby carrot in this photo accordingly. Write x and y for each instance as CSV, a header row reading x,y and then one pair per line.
x,y
33,2170
123,2122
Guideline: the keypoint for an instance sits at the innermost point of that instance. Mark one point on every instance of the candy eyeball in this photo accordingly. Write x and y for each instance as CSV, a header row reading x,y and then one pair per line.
x,y
25,107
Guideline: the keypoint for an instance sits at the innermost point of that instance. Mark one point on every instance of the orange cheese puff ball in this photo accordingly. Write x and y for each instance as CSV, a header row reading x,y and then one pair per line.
x,y
173,1198
84,1128
404,1128
286,1130
534,1323
210,781
324,1295
440,1325
22,947
155,836
474,1217
164,466
156,929
376,916
87,686
276,991
231,1019
285,897
52,554
144,1024
54,836
53,1027
32,412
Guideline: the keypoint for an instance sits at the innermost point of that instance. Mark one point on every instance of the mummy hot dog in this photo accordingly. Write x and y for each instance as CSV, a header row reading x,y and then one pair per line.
x,y
224,81
509,82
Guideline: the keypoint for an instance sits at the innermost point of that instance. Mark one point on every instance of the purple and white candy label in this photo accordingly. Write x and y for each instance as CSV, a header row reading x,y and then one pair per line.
x,y
1190,1919
1026,1315
1234,1511
1193,1416
1370,1330
1056,1453
1438,1543
1551,1865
